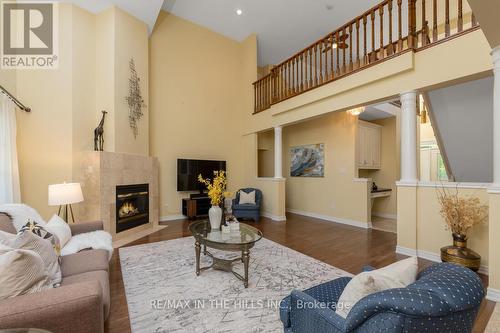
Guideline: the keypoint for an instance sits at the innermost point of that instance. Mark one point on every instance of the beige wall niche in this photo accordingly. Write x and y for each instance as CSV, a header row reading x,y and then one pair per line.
x,y
335,196
387,175
265,154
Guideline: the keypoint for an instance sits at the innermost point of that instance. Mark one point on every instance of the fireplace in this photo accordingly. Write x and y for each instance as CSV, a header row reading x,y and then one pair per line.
x,y
132,206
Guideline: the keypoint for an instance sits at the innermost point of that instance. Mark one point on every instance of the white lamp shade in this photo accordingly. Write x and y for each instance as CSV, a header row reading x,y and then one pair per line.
x,y
65,194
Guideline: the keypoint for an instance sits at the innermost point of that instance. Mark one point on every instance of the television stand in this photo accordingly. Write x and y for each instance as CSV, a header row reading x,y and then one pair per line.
x,y
196,206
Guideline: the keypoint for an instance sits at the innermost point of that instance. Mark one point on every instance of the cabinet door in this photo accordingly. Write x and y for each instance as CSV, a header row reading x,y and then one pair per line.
x,y
376,146
362,137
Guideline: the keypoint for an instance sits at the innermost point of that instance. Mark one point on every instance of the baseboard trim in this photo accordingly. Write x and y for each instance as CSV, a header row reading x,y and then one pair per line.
x,y
386,215
353,223
172,217
493,295
274,217
431,256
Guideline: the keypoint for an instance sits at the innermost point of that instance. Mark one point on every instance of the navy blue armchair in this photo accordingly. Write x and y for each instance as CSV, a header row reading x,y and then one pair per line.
x,y
248,211
445,298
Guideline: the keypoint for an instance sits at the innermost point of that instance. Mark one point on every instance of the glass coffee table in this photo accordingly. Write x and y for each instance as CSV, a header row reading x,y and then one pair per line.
x,y
241,240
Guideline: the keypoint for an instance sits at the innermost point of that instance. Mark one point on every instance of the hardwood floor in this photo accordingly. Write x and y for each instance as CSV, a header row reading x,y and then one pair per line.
x,y
342,246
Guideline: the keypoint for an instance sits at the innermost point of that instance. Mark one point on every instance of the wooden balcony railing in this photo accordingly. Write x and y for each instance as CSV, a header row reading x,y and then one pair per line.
x,y
384,31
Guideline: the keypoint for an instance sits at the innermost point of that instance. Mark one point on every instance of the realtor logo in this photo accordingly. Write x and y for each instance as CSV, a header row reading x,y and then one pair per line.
x,y
29,35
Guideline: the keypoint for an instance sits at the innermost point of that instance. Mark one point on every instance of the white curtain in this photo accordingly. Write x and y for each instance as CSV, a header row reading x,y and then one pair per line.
x,y
10,191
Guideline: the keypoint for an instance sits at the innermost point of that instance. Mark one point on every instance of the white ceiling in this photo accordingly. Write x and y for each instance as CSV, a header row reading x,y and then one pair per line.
x,y
379,111
283,27
145,10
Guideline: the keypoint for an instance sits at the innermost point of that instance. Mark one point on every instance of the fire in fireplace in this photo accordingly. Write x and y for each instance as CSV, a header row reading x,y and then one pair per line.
x,y
132,206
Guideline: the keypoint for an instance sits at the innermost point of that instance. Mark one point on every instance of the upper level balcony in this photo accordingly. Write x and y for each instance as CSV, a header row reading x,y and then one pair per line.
x,y
383,32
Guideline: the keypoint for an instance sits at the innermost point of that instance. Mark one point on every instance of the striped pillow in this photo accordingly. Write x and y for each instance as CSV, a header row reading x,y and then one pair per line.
x,y
27,240
21,272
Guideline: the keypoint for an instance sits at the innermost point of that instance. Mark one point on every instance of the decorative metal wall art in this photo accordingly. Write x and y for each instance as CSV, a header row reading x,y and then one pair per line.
x,y
134,99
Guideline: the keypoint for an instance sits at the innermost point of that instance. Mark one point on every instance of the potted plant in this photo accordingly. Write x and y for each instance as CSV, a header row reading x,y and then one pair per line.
x,y
461,214
216,192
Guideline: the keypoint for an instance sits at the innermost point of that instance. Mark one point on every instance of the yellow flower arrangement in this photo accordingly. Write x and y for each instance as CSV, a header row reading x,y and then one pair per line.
x,y
217,187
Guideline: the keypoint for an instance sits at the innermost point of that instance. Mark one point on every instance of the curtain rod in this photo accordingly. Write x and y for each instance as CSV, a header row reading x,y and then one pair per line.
x,y
15,100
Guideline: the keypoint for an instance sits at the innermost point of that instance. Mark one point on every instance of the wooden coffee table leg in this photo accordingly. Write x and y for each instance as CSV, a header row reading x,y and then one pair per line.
x,y
198,250
246,259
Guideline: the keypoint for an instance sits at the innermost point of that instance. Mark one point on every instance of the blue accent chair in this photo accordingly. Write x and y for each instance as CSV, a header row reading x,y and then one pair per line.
x,y
247,211
445,298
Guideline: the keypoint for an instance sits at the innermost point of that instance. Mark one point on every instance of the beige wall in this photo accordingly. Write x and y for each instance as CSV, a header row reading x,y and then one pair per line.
x,y
131,42
200,89
335,195
430,233
387,176
105,75
45,135
265,154
65,103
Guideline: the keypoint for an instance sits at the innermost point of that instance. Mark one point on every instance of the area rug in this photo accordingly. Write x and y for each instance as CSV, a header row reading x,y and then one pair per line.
x,y
165,295
494,322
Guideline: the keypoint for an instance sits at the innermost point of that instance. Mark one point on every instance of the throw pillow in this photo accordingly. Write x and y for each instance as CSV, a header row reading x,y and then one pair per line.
x,y
61,229
7,239
27,240
20,214
397,275
41,232
21,272
247,198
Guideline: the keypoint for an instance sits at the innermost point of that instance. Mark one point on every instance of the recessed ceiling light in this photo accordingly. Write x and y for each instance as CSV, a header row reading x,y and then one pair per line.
x,y
239,12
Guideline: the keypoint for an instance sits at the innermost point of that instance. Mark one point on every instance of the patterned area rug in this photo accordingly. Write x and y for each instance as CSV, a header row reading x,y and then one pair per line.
x,y
165,295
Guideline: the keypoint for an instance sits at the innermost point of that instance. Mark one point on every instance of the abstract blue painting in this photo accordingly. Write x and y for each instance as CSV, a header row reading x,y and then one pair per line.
x,y
307,161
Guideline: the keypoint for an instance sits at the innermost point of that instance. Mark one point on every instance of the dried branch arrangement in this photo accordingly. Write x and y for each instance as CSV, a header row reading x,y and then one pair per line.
x,y
461,212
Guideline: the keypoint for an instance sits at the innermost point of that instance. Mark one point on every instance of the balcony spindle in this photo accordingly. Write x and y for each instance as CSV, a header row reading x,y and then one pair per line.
x,y
344,37
297,84
339,71
434,21
412,24
350,48
365,47
357,43
400,26
315,64
311,68
325,50
390,48
332,52
460,20
373,56
424,25
447,18
381,23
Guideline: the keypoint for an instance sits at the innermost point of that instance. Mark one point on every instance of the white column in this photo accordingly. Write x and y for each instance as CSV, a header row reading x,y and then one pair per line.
x,y
496,116
278,152
409,137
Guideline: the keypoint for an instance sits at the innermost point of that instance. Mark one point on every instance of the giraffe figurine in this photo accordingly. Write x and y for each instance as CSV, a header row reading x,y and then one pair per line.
x,y
99,134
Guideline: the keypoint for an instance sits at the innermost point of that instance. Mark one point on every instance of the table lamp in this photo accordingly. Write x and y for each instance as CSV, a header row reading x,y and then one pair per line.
x,y
64,195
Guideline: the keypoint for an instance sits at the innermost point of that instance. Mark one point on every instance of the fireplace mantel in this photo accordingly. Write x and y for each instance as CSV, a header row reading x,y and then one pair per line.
x,y
101,173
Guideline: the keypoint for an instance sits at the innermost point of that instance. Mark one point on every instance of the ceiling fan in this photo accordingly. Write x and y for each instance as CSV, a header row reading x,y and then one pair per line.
x,y
332,43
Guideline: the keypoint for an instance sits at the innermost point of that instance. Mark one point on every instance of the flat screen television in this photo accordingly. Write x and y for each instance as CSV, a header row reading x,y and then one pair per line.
x,y
188,171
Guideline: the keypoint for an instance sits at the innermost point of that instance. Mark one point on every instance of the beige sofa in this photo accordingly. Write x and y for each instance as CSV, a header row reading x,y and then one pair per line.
x,y
79,305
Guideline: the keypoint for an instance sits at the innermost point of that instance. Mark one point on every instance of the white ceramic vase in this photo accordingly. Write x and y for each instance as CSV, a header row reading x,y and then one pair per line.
x,y
215,216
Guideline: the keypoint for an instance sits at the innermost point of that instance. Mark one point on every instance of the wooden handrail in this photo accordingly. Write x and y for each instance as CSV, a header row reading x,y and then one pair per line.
x,y
354,46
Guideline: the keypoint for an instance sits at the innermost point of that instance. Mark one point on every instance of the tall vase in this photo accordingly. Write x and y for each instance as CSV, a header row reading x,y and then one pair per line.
x,y
215,217
458,253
